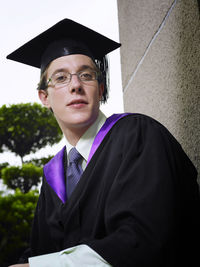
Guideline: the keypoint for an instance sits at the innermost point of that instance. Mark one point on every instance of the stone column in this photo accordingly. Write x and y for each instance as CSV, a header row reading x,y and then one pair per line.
x,y
160,61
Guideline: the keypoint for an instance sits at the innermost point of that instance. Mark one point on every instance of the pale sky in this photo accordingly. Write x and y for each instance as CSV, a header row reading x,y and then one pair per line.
x,y
22,20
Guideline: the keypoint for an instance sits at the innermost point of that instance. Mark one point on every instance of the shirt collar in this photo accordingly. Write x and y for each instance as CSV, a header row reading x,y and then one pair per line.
x,y
85,143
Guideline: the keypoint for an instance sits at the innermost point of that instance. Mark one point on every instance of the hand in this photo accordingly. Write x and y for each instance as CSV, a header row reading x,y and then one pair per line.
x,y
20,265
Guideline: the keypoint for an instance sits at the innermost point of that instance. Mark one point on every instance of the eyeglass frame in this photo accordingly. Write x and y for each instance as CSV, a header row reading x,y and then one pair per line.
x,y
67,81
42,85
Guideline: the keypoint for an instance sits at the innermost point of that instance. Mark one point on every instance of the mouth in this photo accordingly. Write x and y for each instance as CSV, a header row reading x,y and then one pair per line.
x,y
77,103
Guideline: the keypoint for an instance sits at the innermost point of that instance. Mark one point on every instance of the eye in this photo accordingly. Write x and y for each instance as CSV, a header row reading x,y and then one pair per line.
x,y
87,75
61,77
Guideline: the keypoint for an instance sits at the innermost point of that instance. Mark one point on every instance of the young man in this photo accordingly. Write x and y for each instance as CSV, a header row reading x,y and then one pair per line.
x,y
130,197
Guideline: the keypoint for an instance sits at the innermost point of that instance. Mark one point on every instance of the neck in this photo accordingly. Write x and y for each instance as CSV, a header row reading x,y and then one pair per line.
x,y
73,135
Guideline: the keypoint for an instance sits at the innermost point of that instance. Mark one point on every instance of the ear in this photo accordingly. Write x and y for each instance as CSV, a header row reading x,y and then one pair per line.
x,y
43,95
101,90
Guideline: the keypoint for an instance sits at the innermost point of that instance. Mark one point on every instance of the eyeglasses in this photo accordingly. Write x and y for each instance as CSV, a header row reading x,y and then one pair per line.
x,y
60,79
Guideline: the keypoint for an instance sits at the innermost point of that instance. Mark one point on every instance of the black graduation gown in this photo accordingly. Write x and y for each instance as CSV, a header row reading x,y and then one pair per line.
x,y
137,203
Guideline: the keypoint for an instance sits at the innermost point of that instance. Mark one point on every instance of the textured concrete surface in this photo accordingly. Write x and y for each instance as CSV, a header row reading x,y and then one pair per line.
x,y
160,58
138,22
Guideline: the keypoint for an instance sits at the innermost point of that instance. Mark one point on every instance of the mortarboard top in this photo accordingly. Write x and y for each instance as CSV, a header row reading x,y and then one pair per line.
x,y
32,53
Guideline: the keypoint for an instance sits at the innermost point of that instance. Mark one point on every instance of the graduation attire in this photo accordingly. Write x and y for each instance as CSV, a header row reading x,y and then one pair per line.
x,y
137,203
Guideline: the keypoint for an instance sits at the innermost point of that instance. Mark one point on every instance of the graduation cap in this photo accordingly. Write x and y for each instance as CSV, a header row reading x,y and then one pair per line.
x,y
38,51
65,38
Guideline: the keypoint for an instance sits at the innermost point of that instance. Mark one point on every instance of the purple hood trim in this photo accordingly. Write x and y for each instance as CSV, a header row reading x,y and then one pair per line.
x,y
54,169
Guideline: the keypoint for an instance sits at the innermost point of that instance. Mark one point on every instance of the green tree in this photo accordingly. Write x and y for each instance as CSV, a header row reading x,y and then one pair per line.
x,y
16,215
26,128
23,177
3,165
38,162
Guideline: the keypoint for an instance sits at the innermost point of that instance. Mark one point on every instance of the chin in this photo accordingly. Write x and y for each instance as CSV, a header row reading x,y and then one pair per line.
x,y
83,122
79,120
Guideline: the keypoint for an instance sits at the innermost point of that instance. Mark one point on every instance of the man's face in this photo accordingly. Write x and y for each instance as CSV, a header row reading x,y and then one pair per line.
x,y
76,104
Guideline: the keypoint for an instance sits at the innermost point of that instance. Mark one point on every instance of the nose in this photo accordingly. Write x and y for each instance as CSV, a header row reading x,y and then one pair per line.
x,y
75,84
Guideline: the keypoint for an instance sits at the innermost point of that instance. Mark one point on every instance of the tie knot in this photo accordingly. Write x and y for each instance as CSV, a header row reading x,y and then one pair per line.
x,y
74,155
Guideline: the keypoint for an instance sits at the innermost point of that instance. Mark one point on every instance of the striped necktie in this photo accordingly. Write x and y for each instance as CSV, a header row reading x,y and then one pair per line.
x,y
74,170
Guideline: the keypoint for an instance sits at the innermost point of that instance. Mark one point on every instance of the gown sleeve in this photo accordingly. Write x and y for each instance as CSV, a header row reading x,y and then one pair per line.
x,y
152,209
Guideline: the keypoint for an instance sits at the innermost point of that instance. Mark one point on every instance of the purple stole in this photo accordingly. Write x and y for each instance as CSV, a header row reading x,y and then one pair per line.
x,y
54,169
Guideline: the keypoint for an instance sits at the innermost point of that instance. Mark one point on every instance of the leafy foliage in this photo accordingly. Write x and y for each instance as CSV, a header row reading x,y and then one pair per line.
x,y
25,128
39,162
3,165
21,177
16,215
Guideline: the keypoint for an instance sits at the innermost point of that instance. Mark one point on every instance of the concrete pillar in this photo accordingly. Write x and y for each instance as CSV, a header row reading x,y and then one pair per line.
x,y
160,60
